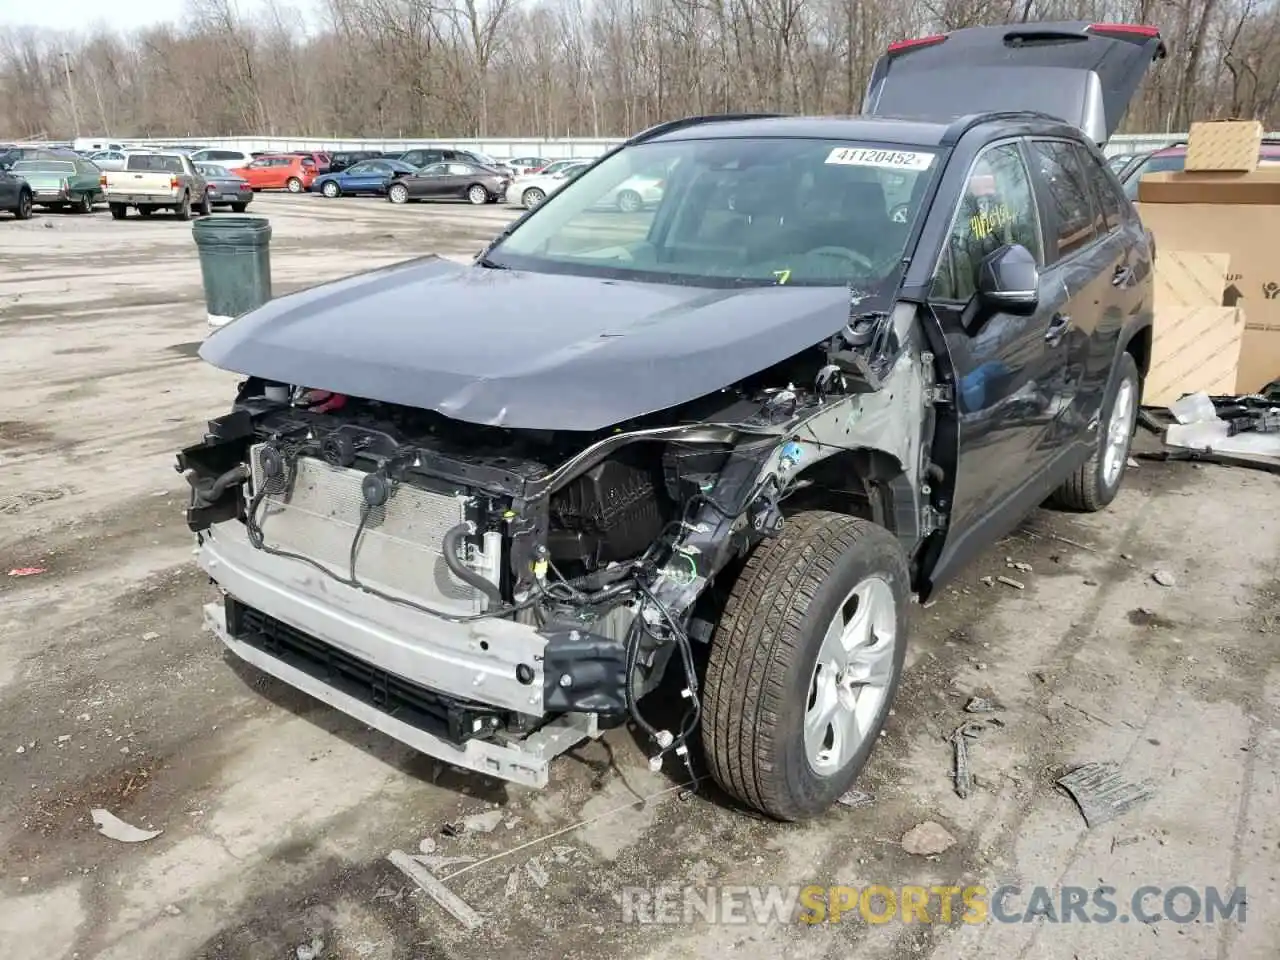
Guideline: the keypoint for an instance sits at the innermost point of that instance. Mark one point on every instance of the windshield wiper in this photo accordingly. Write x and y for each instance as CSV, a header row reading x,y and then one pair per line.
x,y
491,265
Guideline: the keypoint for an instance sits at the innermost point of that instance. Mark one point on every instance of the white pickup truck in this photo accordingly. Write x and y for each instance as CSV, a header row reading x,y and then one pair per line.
x,y
156,181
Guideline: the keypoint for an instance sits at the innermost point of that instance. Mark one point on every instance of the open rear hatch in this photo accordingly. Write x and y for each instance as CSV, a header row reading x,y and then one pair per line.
x,y
1084,73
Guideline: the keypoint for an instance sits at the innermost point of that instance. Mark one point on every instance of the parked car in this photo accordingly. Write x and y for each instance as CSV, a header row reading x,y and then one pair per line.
x,y
156,181
341,159
555,166
529,191
523,166
367,176
450,181
665,443
282,171
638,192
229,159
427,156
16,196
109,159
11,155
225,188
319,158
1174,158
56,184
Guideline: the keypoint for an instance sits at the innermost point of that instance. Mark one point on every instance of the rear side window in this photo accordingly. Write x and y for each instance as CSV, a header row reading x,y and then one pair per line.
x,y
1069,219
997,208
1110,202
308,162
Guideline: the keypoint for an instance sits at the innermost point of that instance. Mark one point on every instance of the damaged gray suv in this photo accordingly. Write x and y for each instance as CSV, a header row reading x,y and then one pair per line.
x,y
722,436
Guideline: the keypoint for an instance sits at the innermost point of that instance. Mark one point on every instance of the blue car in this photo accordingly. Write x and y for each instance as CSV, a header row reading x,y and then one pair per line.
x,y
368,176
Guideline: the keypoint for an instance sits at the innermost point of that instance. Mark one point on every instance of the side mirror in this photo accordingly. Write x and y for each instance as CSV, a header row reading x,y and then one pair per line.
x,y
1009,280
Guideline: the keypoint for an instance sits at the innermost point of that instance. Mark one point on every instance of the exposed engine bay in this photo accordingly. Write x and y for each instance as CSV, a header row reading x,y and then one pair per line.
x,y
505,592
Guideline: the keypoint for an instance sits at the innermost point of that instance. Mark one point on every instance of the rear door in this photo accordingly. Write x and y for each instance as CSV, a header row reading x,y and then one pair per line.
x,y
1083,73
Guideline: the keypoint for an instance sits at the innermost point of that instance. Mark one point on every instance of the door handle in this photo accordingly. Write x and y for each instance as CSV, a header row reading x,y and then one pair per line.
x,y
1122,275
1058,327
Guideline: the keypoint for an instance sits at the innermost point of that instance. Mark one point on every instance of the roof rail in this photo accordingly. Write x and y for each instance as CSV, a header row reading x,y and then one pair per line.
x,y
962,125
670,125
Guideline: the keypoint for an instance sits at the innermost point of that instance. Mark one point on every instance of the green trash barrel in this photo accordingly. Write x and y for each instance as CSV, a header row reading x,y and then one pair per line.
x,y
235,264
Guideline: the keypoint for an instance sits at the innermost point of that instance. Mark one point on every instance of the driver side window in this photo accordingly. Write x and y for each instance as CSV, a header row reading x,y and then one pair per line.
x,y
996,208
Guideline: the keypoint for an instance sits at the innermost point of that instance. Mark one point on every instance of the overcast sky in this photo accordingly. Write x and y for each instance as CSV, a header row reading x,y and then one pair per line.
x,y
120,15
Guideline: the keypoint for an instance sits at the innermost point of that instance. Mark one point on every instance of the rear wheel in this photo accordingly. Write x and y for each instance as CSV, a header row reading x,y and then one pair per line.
x,y
206,206
239,207
805,662
532,197
84,203
118,211
183,209
477,194
629,201
398,193
23,210
145,212
294,185
331,189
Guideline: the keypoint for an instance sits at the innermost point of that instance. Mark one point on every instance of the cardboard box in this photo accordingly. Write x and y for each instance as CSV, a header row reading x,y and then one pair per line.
x,y
1184,278
1224,145
1194,349
1244,222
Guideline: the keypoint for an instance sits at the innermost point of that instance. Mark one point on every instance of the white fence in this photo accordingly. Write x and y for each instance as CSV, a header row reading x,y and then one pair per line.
x,y
506,147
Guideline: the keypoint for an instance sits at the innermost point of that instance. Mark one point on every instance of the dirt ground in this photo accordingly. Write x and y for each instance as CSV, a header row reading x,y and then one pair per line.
x,y
278,813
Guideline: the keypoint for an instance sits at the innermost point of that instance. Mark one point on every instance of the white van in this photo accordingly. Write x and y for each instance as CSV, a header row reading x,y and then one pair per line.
x,y
94,144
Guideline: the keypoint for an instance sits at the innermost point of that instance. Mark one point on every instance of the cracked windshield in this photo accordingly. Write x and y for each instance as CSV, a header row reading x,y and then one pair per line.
x,y
732,211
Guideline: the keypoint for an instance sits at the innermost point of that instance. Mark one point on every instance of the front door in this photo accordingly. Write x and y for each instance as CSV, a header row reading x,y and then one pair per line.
x,y
1001,363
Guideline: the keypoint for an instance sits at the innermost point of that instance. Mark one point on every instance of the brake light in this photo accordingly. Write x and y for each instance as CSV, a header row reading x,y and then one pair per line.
x,y
102,181
1135,29
174,183
659,184
898,46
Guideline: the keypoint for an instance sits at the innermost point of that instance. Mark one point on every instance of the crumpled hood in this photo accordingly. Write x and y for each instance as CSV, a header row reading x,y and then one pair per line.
x,y
523,350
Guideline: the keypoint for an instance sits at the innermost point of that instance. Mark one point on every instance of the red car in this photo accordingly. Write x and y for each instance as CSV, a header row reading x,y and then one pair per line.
x,y
280,172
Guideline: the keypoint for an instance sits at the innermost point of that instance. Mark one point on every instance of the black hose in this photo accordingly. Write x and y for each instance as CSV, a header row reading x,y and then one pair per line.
x,y
452,541
210,492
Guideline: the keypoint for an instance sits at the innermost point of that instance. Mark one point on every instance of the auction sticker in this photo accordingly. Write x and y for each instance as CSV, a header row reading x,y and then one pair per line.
x,y
887,159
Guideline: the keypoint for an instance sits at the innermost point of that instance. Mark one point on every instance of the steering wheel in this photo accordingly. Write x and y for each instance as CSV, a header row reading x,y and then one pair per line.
x,y
853,256
899,213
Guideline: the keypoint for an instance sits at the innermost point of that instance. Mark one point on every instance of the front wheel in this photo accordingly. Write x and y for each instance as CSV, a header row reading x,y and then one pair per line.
x,y
629,201
331,189
1097,481
805,662
478,195
532,197
293,185
398,193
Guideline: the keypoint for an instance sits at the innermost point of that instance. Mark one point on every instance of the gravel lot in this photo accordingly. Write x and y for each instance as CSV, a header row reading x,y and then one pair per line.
x,y
277,813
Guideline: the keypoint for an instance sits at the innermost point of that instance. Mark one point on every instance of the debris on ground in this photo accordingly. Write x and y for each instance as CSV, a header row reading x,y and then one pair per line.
x,y
112,827
988,580
855,798
1010,582
426,846
150,635
439,863
960,738
981,705
537,873
451,829
1132,463
310,951
1164,578
1102,793
26,571
1013,564
513,884
927,839
429,884
485,822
